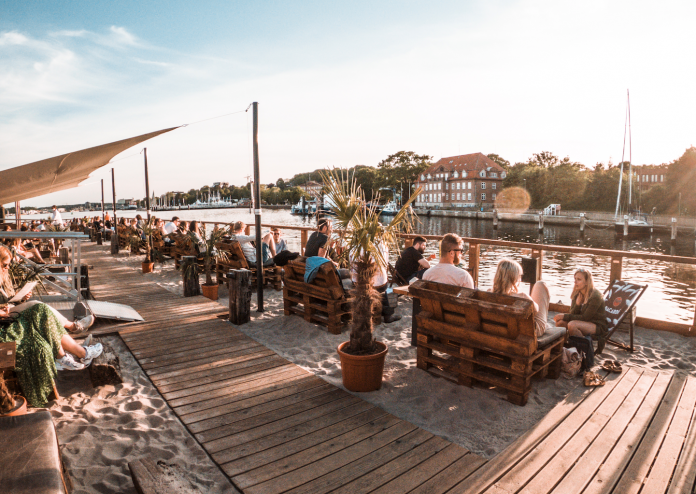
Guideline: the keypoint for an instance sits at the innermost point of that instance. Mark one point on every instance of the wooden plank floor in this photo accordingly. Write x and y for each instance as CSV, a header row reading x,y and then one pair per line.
x,y
636,434
270,425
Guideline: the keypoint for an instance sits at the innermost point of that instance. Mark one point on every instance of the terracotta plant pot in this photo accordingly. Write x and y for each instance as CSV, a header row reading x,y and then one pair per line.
x,y
148,267
210,291
362,373
19,409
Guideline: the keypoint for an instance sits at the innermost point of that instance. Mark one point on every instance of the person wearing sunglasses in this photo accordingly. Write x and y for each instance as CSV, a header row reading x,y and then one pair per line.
x,y
446,271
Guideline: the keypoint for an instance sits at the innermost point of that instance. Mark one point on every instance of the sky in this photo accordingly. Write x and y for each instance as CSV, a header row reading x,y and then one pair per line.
x,y
339,84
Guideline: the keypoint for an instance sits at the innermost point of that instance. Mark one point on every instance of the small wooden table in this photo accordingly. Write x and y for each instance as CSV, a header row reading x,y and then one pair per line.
x,y
403,290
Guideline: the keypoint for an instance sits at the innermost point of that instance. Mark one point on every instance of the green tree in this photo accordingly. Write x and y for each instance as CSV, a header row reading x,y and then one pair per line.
x,y
401,170
505,164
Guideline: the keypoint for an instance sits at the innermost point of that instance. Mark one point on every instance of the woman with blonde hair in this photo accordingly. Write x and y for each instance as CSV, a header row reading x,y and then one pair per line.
x,y
587,315
507,279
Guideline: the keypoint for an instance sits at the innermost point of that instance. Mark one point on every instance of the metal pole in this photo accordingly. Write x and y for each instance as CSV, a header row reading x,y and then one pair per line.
x,y
18,219
257,211
113,190
147,187
102,186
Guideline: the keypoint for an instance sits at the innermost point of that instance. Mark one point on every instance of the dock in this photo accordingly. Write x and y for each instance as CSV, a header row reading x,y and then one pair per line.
x,y
273,427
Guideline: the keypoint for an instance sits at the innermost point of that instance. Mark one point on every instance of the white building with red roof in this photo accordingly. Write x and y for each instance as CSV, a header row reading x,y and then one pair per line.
x,y
469,180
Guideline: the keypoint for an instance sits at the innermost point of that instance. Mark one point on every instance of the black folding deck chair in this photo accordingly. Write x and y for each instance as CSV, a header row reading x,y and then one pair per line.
x,y
619,299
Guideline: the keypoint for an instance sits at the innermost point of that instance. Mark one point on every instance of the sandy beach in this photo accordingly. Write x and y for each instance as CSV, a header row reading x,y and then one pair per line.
x,y
102,429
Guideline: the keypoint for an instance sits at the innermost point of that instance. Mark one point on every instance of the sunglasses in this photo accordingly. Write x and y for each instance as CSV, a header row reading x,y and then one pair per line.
x,y
457,250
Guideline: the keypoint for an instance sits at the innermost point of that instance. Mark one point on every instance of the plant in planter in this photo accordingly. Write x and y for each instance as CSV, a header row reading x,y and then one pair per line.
x,y
10,404
366,241
211,255
149,262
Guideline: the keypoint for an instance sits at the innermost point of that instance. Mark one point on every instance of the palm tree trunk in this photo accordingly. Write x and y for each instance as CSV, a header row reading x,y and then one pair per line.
x,y
361,339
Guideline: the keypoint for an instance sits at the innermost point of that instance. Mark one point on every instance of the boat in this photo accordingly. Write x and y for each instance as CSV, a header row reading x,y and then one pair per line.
x,y
391,208
303,207
634,223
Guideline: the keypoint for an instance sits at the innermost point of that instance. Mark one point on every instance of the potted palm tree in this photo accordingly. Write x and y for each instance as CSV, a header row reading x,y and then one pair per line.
x,y
365,240
211,255
149,262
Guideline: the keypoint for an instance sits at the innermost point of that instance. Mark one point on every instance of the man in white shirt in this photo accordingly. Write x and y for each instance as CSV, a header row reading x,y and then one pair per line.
x,y
56,219
171,226
446,270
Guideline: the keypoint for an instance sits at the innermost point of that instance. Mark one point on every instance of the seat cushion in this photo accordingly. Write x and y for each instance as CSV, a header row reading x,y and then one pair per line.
x,y
550,335
29,458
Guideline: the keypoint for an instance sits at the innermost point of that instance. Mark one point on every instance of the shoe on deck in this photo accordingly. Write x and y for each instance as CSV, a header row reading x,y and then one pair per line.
x,y
68,363
85,323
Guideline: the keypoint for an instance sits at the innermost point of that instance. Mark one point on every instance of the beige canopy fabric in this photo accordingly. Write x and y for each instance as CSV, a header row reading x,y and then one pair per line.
x,y
62,172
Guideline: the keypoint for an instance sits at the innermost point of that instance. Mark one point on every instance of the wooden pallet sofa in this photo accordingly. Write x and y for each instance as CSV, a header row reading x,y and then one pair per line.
x,y
235,260
471,336
324,301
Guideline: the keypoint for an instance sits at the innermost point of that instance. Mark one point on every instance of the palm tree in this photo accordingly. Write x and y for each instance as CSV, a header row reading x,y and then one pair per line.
x,y
364,238
212,255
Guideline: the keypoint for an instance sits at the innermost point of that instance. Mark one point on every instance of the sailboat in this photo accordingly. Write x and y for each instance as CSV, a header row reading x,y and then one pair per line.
x,y
633,223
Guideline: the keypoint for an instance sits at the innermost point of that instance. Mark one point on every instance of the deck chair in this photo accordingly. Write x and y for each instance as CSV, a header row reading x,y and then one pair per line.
x,y
619,299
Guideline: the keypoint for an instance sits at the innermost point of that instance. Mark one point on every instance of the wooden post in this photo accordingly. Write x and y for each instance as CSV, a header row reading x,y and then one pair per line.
x,y
189,271
257,209
625,230
495,219
582,224
238,282
474,250
303,240
615,273
673,238
538,254
114,242
64,255
541,222
98,236
84,282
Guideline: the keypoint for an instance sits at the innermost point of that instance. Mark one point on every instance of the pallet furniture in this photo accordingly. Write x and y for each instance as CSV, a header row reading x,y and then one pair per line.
x,y
183,247
30,458
235,260
324,301
159,244
470,335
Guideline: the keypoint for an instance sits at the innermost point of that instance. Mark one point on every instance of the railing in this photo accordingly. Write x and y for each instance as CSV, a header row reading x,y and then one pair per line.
x,y
537,251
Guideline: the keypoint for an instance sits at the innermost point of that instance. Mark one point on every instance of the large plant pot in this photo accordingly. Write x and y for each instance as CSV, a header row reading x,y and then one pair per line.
x,y
148,267
19,409
210,291
362,373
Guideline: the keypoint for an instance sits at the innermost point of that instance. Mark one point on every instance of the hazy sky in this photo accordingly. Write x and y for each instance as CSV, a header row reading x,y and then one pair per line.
x,y
339,83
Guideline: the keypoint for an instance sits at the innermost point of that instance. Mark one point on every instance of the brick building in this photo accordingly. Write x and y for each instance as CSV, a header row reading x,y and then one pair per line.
x,y
312,188
647,176
469,180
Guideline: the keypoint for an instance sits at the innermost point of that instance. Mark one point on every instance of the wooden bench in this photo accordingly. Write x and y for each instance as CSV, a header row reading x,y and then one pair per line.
x,y
324,301
159,245
183,246
235,260
470,335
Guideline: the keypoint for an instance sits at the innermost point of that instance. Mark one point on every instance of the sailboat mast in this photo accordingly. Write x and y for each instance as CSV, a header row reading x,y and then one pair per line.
x,y
630,156
623,153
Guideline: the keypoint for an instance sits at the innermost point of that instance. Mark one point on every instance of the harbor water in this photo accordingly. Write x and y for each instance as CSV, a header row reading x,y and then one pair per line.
x,y
672,287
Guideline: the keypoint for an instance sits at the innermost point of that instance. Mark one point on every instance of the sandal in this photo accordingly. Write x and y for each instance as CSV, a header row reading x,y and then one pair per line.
x,y
592,379
612,366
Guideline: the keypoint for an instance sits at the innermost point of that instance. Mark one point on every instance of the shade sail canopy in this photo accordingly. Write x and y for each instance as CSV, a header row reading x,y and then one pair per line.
x,y
62,172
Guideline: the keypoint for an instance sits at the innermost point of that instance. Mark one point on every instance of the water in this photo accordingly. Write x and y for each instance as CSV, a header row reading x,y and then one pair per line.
x,y
672,287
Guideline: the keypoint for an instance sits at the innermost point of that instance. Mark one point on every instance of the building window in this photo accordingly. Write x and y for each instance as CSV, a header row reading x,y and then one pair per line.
x,y
469,196
662,178
493,185
483,196
447,186
446,197
458,185
469,186
494,175
483,185
493,196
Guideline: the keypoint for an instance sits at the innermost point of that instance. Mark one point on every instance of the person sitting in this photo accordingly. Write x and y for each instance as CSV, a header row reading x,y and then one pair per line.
x,y
411,263
245,242
587,315
507,279
446,271
280,244
195,236
171,226
318,242
282,253
28,251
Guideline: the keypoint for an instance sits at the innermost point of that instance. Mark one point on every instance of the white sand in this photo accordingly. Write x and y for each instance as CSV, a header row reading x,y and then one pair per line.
x,y
105,428
101,430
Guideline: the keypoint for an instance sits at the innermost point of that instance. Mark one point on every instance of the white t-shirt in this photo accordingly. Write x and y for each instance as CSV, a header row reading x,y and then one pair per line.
x,y
449,274
380,277
248,249
56,217
170,227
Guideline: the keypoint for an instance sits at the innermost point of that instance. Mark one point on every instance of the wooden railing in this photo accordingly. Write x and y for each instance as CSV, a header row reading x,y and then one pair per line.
x,y
537,251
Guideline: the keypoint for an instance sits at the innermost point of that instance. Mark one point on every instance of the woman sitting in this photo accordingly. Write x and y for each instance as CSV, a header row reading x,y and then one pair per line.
x,y
28,250
587,316
194,234
506,282
43,345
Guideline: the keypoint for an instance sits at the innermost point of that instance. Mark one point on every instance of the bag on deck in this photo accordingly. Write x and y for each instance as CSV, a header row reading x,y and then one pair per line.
x,y
585,347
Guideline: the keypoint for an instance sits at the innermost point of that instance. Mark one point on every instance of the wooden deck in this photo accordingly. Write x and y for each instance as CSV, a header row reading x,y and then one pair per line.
x,y
273,427
270,425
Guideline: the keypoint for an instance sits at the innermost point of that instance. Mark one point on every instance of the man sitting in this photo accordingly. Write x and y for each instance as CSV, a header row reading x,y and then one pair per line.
x,y
245,241
411,263
446,270
317,244
169,228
